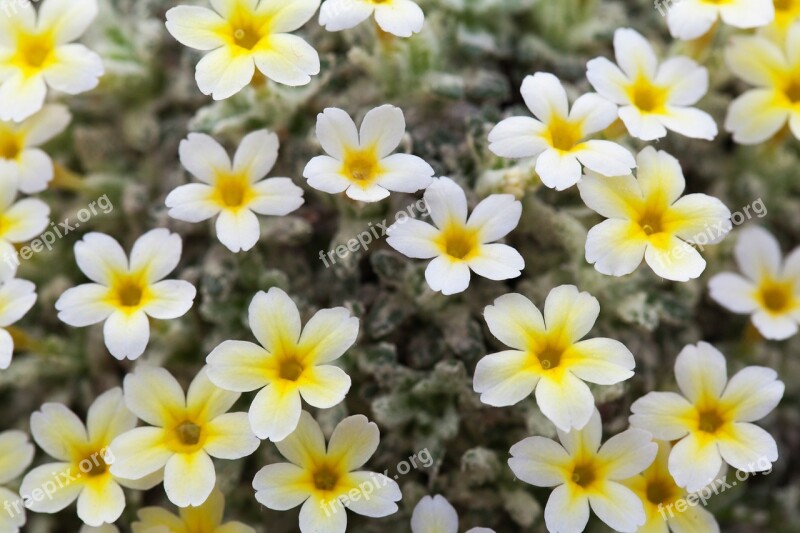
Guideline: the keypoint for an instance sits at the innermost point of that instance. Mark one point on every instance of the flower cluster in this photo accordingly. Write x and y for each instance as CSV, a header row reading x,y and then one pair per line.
x,y
175,428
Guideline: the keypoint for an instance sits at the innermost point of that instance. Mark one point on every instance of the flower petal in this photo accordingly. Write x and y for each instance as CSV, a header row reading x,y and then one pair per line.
x,y
195,27
446,202
694,463
400,17
611,249
413,238
256,154
75,69
274,319
539,461
434,514
748,448
497,262
289,60
701,372
58,431
601,361
126,335
353,442
570,313
238,366
567,402
627,454
100,257
324,386
336,132
566,511
504,378
518,137
382,129
170,299
513,319
733,292
405,173
281,486
752,393
666,415
276,196
189,478
449,277
204,157
154,395
239,230
306,443
221,73
275,412
618,507
101,504
495,217
229,436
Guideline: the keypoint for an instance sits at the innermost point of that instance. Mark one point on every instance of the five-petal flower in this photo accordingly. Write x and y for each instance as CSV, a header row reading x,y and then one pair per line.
x,y
203,518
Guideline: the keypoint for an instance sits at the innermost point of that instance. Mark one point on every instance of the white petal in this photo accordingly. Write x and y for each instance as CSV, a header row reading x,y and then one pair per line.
x,y
328,335
35,170
497,262
677,262
324,386
44,478
594,112
195,27
322,516
449,277
566,512
405,173
628,453
690,122
611,251
568,402
749,448
46,124
545,96
192,203
747,13
324,173
171,299
21,97
109,417
608,80
606,158
6,349
274,319
687,81
154,395
256,154
601,361
204,157
287,17
238,230
701,372
378,495
446,202
701,219
585,440
504,378
383,128
733,292
618,507
752,393
336,132
660,175
76,69
775,327
229,437
690,20
279,486
434,514
570,312
753,117
539,461
222,74
189,478
400,17
205,401
58,431
99,504
157,253
371,193
14,517
139,452
305,444
238,366
694,463
611,197
518,137
126,335
100,257
69,19
353,442
290,60
513,319
634,54
274,413
16,454
413,238
276,196
644,126
337,15
758,253
558,170
17,296
25,220
495,217
664,414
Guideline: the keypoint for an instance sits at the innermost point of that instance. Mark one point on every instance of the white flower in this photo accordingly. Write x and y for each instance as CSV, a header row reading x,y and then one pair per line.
x,y
459,244
35,52
586,475
17,296
242,35
769,291
125,293
549,356
82,471
649,218
325,480
402,18
16,454
185,432
436,515
774,68
291,362
712,419
19,222
653,98
556,139
205,518
234,192
21,161
361,164
690,19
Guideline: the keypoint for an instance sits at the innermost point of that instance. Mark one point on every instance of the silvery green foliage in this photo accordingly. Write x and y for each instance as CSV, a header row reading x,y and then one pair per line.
x,y
417,350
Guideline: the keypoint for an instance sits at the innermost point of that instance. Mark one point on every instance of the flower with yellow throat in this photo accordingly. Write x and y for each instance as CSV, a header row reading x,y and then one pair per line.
x,y
205,518
289,363
241,36
186,431
712,420
327,479
37,52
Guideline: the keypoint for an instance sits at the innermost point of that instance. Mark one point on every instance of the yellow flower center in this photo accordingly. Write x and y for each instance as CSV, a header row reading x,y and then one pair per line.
x,y
246,38
584,474
188,433
10,145
361,166
564,135
93,465
129,292
244,29
792,91
325,479
291,369
661,491
646,96
458,242
34,51
710,420
783,5
550,357
777,296
232,190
